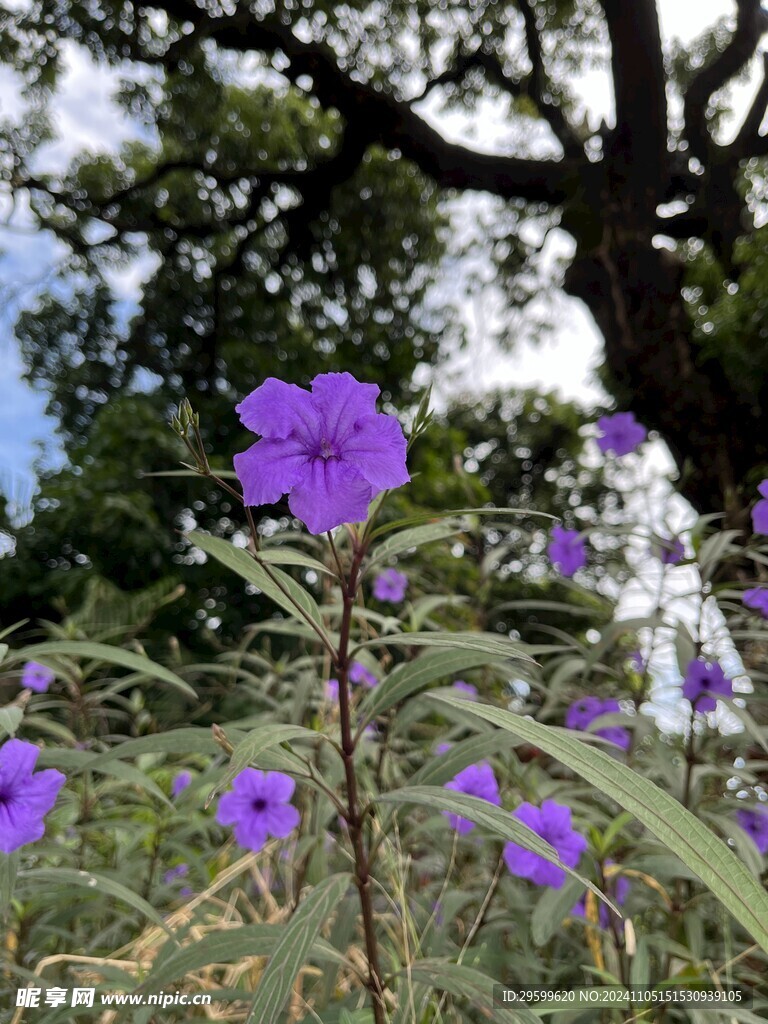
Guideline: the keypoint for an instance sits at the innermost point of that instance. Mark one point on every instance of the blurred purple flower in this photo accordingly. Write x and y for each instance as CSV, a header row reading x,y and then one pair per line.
x,y
567,550
328,449
180,783
180,871
391,586
760,511
358,673
671,551
757,599
258,807
332,690
584,711
443,748
552,821
617,888
755,824
25,798
37,677
702,680
468,688
637,662
476,780
621,433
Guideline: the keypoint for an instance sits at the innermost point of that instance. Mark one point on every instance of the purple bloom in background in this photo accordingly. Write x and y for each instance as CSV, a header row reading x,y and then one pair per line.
x,y
37,677
584,711
637,662
567,550
476,780
25,798
358,673
618,890
443,748
180,783
328,449
551,821
672,551
332,690
258,807
755,824
760,511
621,433
391,586
757,599
468,688
702,680
180,871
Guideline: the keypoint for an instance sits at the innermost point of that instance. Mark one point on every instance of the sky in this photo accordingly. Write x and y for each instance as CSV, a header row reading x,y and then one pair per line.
x,y
86,118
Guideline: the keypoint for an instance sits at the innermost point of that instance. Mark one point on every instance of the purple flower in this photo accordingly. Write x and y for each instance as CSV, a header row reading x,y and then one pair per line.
x,y
258,807
757,599
755,824
180,871
701,681
180,783
760,511
552,821
332,690
567,550
25,798
468,688
443,748
37,677
476,780
328,449
584,711
672,551
358,673
621,433
617,888
391,586
637,663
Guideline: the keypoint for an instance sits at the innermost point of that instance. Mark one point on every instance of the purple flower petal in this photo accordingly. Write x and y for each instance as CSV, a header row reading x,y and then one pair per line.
x,y
37,677
342,402
552,821
390,585
378,448
621,433
258,807
269,469
703,682
760,516
567,550
25,798
277,410
180,783
329,494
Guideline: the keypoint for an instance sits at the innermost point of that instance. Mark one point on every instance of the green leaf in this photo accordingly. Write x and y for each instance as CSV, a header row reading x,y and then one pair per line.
x,y
293,948
413,538
226,947
276,584
9,867
551,908
99,884
443,767
109,654
473,987
10,719
75,761
677,828
485,643
501,823
177,741
452,513
412,676
289,556
248,749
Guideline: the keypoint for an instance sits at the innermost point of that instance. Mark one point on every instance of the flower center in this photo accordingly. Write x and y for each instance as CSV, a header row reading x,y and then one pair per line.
x,y
259,804
326,451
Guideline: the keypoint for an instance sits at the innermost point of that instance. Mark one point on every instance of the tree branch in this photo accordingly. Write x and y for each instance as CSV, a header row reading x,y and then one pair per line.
x,y
751,23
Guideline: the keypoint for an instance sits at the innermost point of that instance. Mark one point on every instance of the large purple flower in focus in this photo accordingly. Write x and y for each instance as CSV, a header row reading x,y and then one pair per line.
x,y
621,433
584,711
328,449
25,798
567,550
760,511
551,821
390,586
703,682
757,600
258,807
37,677
476,780
755,824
